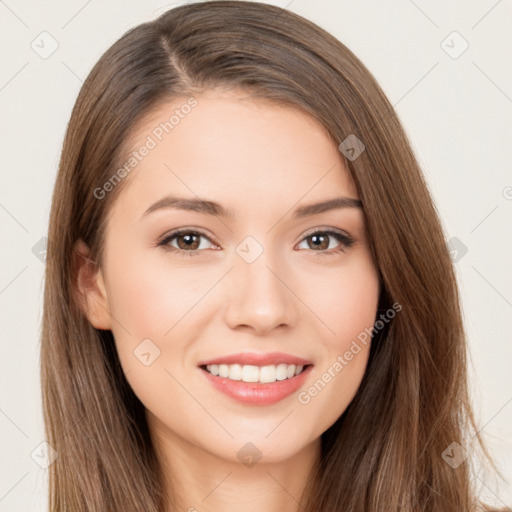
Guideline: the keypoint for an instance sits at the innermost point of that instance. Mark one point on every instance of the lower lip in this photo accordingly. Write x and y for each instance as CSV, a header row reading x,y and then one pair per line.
x,y
255,393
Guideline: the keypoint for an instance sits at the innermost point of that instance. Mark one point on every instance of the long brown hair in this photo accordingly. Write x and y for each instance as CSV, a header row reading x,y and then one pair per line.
x,y
385,452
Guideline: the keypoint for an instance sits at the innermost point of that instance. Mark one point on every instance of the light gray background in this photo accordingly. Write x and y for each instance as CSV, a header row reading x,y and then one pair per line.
x,y
457,112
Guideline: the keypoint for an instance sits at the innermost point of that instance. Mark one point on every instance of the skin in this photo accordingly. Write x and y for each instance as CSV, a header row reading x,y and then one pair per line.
x,y
262,161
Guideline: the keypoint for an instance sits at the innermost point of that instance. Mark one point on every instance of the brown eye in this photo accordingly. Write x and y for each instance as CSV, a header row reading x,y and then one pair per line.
x,y
184,241
188,241
319,242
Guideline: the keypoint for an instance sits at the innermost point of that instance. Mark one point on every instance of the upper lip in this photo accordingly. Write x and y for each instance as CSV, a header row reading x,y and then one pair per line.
x,y
256,359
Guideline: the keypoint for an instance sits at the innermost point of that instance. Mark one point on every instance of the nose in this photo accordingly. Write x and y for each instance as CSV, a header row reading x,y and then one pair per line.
x,y
260,296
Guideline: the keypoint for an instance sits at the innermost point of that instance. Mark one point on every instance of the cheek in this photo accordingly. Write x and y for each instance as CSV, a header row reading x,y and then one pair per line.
x,y
147,302
154,299
349,310
149,297
347,303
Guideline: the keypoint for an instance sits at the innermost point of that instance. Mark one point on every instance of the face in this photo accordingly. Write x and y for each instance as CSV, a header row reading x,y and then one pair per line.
x,y
240,327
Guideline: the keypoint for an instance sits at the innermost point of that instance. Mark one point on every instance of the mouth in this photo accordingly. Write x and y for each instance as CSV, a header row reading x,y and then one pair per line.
x,y
255,374
257,379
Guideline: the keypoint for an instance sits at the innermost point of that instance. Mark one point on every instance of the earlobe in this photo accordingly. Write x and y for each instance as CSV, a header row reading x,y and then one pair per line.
x,y
90,288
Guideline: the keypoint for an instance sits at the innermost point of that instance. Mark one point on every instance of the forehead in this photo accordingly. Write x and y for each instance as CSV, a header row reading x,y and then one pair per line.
x,y
232,148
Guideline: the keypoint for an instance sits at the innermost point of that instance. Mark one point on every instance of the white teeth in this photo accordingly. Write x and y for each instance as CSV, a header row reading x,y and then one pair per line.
x,y
251,373
282,371
267,374
235,372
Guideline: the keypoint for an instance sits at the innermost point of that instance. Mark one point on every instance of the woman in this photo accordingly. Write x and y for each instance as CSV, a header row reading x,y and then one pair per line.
x,y
311,355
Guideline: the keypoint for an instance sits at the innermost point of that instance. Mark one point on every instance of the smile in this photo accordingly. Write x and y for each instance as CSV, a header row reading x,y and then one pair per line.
x,y
265,385
252,373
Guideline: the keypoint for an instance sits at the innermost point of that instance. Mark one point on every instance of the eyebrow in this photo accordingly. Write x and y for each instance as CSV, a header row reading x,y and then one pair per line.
x,y
217,210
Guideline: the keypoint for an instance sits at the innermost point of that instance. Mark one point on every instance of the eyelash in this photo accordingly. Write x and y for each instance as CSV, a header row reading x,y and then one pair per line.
x,y
346,241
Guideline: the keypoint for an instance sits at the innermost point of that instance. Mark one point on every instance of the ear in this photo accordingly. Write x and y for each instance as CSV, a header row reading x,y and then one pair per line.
x,y
90,288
